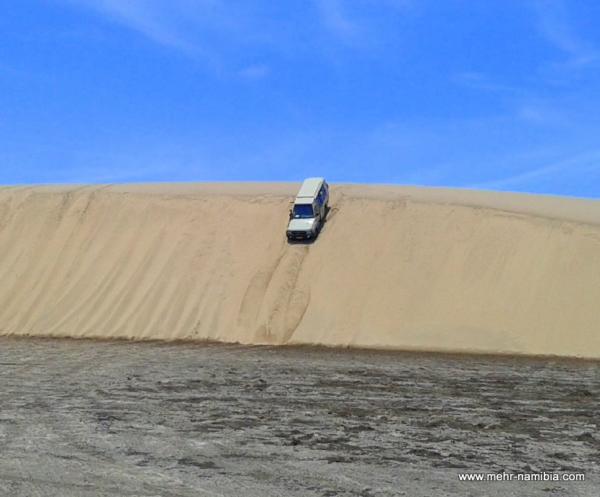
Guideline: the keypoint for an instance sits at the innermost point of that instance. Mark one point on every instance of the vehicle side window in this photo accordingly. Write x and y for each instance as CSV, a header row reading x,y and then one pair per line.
x,y
322,194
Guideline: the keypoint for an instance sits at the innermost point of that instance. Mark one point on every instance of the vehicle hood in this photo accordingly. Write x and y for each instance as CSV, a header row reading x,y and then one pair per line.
x,y
301,224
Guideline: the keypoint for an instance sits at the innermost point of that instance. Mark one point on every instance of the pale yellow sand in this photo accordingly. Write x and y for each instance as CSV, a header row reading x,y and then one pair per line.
x,y
395,267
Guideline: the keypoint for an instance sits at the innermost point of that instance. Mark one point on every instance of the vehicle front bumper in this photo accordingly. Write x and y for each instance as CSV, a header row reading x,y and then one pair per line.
x,y
299,235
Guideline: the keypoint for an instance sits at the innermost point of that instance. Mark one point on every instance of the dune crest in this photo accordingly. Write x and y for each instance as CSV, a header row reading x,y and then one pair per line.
x,y
403,268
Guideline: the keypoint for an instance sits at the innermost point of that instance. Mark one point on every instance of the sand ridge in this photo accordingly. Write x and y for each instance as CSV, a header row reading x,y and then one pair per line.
x,y
395,267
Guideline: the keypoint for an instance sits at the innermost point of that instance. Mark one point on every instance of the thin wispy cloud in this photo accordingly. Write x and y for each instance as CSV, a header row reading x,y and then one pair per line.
x,y
555,25
480,81
335,18
184,25
147,18
536,112
353,22
255,72
228,36
577,166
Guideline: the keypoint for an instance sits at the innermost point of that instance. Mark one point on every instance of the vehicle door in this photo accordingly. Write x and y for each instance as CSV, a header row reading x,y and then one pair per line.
x,y
322,200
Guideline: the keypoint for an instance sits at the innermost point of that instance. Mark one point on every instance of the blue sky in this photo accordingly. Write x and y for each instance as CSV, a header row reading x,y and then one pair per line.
x,y
480,94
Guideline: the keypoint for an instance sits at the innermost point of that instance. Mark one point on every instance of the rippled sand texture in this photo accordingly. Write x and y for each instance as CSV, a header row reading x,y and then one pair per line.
x,y
401,268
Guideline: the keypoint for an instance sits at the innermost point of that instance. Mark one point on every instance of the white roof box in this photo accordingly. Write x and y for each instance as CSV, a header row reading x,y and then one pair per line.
x,y
310,188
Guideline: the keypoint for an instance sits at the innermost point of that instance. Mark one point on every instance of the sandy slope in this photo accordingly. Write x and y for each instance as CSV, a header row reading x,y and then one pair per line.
x,y
395,267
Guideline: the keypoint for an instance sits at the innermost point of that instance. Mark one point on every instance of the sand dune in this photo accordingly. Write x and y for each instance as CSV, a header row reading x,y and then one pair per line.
x,y
395,267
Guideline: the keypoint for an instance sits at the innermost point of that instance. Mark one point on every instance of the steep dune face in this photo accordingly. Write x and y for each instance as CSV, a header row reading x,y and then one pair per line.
x,y
393,268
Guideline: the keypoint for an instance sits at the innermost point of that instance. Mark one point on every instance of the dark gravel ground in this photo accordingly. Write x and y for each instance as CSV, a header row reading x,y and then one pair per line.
x,y
88,418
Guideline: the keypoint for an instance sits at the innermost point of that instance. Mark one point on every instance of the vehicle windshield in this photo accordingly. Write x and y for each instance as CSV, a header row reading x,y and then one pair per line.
x,y
303,211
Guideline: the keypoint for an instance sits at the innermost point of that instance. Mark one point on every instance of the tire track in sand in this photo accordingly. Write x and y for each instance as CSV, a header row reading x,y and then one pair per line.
x,y
275,301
